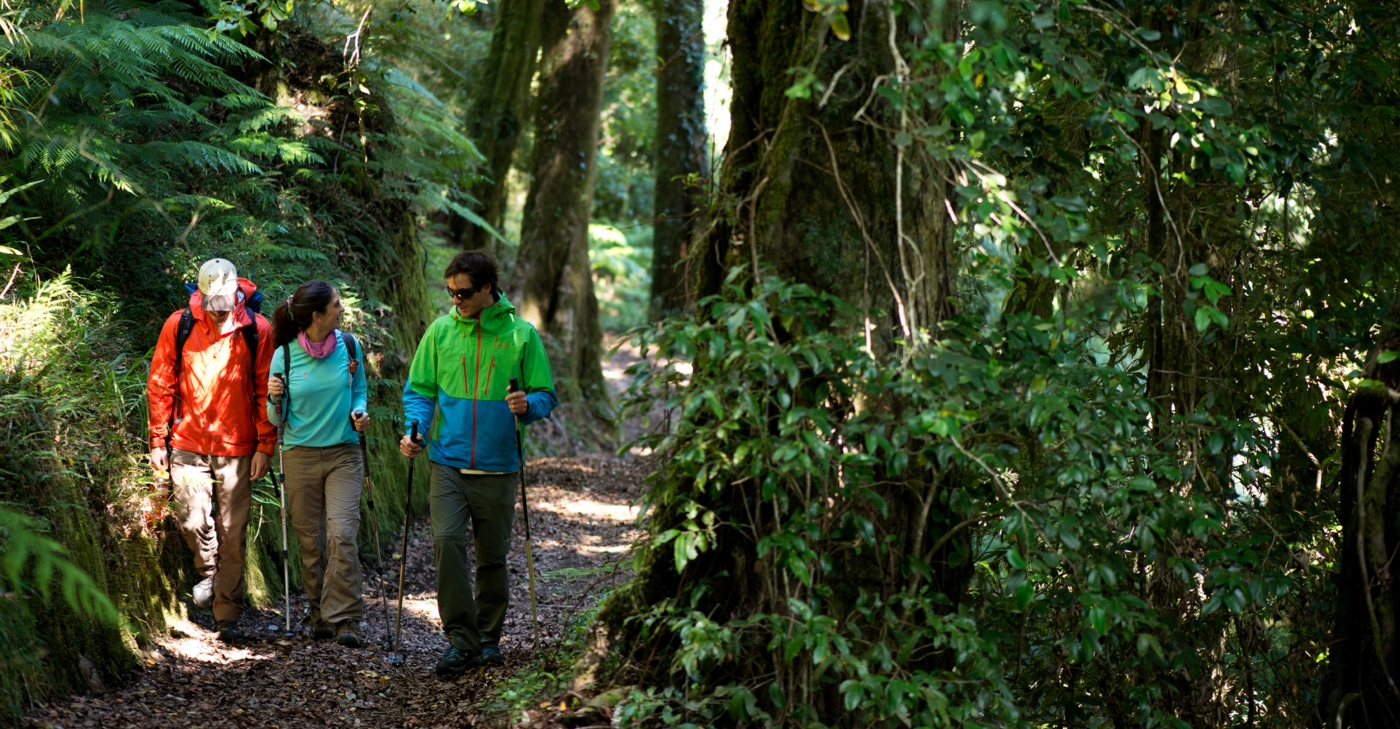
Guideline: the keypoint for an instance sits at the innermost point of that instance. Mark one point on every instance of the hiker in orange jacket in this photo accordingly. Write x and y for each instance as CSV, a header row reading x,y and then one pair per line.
x,y
221,441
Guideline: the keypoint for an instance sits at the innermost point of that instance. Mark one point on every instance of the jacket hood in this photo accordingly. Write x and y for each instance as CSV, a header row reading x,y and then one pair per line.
x,y
246,289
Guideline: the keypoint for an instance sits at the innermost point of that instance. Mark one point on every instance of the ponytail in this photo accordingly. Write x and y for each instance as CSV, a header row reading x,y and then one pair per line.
x,y
293,315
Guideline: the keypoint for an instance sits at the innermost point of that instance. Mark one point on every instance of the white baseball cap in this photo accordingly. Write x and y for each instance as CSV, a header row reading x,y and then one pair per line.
x,y
218,285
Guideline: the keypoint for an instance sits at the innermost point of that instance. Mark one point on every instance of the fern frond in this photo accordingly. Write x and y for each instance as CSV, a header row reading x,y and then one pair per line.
x,y
200,155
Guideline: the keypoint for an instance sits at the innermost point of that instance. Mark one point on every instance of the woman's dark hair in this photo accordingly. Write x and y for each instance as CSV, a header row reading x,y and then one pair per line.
x,y
294,314
479,267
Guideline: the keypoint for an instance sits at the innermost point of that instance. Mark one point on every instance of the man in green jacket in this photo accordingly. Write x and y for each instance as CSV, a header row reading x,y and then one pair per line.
x,y
462,369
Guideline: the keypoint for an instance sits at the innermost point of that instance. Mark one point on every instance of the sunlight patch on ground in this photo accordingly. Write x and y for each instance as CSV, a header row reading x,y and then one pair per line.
x,y
609,549
425,608
621,513
198,645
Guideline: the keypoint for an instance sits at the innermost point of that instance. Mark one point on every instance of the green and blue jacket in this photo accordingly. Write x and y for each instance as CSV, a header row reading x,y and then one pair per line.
x,y
463,367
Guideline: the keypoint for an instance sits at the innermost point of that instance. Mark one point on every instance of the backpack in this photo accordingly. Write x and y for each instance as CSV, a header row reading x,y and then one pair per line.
x,y
352,349
182,334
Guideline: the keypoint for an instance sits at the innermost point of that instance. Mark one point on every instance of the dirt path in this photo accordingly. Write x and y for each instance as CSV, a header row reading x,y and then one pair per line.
x,y
582,520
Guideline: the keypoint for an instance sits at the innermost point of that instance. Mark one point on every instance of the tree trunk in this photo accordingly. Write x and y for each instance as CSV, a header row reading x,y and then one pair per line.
x,y
552,267
680,144
499,114
818,193
1364,659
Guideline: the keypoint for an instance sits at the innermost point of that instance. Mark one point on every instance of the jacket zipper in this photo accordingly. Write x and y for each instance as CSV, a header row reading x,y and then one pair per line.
x,y
476,389
465,389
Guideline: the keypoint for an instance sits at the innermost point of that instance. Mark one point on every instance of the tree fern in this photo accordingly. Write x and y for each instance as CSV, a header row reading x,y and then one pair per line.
x,y
29,560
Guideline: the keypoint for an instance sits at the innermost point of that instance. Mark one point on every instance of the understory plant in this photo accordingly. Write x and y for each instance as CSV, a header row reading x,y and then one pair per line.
x,y
938,541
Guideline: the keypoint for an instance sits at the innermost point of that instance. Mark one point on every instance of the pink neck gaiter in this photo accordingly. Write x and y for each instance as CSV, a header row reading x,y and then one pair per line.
x,y
319,350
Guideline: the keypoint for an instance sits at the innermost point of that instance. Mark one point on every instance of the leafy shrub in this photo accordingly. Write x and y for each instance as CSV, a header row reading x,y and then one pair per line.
x,y
937,540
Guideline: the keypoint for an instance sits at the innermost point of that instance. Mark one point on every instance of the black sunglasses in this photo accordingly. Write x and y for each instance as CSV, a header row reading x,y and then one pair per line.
x,y
463,294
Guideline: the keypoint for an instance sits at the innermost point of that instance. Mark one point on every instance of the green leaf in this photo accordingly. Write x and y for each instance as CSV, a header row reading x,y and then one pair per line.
x,y
1025,592
1072,203
840,26
1207,315
1148,642
1098,620
1214,106
1387,355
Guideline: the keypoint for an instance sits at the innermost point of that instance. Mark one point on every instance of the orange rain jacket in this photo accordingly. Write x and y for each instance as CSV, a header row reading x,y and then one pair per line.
x,y
222,408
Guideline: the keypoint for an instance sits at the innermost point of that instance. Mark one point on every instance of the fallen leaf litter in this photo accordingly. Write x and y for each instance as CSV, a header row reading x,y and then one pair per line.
x,y
582,512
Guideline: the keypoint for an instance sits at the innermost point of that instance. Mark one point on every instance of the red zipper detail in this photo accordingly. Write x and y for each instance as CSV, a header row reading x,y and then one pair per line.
x,y
475,388
464,384
491,367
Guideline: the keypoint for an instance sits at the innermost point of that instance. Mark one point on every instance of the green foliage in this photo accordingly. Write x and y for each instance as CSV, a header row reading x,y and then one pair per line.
x,y
1102,492
74,500
27,554
621,274
623,184
148,143
1010,453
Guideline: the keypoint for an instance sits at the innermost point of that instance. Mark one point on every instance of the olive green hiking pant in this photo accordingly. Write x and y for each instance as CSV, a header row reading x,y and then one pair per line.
x,y
486,503
323,503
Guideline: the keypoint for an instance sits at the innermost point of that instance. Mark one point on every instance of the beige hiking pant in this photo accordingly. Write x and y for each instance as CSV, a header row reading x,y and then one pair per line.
x,y
323,504
210,499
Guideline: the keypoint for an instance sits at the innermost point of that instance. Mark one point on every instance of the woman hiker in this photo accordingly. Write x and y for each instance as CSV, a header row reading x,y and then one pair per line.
x,y
324,404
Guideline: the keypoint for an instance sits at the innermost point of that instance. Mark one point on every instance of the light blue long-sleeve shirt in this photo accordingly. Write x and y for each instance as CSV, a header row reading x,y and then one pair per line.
x,y
323,394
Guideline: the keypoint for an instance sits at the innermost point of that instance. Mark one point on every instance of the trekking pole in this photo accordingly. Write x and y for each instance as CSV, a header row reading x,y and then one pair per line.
x,y
279,481
396,659
374,524
525,509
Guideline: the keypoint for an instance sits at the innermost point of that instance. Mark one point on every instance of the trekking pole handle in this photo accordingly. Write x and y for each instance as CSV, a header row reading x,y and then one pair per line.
x,y
282,422
414,436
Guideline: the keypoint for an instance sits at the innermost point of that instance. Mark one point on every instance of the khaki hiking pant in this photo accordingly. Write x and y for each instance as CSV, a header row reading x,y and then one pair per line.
x,y
323,504
210,499
487,504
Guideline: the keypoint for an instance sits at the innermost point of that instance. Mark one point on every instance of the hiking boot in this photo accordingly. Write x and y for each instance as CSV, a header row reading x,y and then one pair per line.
x,y
348,633
204,592
454,661
229,632
491,656
320,629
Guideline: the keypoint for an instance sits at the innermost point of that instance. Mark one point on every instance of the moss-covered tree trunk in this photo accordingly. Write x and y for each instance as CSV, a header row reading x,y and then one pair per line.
x,y
818,188
1365,662
814,185
680,144
552,272
499,114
